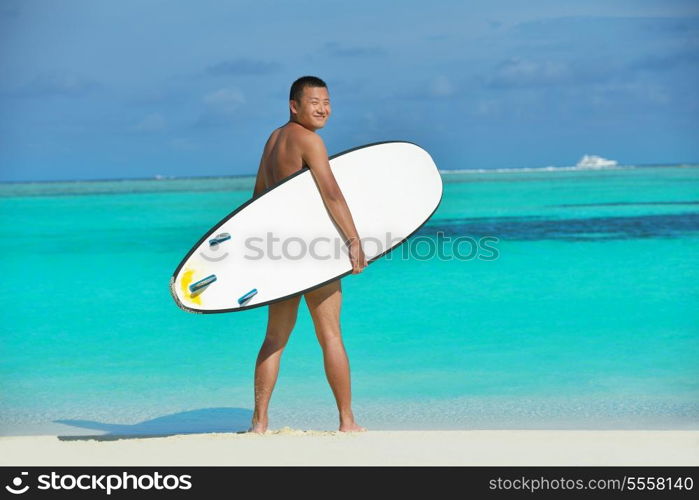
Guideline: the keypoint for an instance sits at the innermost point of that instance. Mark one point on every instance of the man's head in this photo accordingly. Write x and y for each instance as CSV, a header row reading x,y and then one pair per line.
x,y
309,102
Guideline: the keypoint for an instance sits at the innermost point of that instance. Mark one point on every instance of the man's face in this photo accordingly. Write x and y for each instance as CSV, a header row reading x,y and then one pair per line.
x,y
314,109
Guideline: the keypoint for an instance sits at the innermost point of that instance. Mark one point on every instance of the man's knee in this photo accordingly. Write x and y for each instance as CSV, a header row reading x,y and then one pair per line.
x,y
328,337
274,343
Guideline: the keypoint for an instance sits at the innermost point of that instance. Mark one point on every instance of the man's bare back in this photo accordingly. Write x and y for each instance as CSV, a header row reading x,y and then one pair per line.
x,y
282,155
288,149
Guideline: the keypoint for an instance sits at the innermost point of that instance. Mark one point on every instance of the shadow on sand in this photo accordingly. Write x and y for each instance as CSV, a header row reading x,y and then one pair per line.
x,y
203,421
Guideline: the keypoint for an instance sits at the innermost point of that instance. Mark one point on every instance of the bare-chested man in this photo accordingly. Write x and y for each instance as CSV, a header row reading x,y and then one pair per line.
x,y
288,149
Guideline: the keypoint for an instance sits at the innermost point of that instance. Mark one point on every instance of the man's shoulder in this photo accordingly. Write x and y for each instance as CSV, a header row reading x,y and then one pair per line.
x,y
298,133
307,138
275,133
299,138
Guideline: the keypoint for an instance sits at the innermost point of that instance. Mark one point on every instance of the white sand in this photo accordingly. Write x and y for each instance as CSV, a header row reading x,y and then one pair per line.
x,y
290,447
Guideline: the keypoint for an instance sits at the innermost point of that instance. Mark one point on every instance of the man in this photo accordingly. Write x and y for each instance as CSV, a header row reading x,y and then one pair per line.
x,y
288,149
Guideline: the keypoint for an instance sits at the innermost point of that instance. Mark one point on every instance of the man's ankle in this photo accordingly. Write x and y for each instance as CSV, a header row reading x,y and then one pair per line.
x,y
346,416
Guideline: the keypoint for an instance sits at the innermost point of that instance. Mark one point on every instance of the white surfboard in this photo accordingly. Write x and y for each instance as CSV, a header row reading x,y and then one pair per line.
x,y
284,242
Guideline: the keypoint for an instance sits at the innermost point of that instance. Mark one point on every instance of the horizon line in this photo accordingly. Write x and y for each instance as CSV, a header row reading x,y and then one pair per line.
x,y
159,177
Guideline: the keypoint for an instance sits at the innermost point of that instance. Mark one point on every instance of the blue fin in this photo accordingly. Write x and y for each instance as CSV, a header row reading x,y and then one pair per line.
x,y
219,238
247,296
202,283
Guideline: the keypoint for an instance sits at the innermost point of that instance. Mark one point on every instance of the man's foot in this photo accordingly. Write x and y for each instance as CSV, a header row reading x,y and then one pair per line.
x,y
352,427
258,426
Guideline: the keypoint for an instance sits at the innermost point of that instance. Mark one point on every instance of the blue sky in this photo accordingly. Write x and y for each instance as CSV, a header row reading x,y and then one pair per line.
x,y
125,89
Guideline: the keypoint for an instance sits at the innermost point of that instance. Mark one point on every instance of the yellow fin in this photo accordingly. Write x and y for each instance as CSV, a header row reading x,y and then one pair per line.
x,y
187,279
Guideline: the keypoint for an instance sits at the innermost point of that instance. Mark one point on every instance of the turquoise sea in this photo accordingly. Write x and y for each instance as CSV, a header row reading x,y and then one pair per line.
x,y
585,314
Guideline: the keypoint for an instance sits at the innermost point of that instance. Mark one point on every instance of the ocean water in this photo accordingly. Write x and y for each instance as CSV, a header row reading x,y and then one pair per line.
x,y
533,299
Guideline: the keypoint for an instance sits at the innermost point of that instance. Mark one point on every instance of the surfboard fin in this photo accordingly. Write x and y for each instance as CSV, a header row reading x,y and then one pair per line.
x,y
219,238
196,286
247,296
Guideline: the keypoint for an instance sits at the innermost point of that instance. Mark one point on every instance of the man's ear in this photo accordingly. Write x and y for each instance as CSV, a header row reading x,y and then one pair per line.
x,y
292,107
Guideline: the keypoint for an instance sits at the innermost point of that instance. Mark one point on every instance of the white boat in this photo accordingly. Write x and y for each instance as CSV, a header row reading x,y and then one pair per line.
x,y
592,161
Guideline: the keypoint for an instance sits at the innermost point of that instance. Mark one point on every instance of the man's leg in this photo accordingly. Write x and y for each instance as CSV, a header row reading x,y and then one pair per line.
x,y
281,320
324,306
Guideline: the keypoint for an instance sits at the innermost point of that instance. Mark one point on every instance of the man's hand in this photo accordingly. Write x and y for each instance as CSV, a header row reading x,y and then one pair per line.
x,y
356,255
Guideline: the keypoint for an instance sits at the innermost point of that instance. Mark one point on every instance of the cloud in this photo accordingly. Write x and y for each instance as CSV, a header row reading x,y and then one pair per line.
x,y
153,98
666,62
225,100
183,144
221,106
57,84
673,26
441,86
591,50
337,50
151,123
516,72
592,36
494,24
212,120
438,87
641,94
486,107
242,66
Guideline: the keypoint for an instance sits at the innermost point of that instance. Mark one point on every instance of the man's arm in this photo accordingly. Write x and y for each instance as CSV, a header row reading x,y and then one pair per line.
x,y
316,157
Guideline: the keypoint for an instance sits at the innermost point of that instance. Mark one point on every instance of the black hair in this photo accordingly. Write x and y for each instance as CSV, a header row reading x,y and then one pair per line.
x,y
305,81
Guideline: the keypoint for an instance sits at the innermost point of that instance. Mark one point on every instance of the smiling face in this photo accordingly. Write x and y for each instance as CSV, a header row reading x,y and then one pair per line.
x,y
313,110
